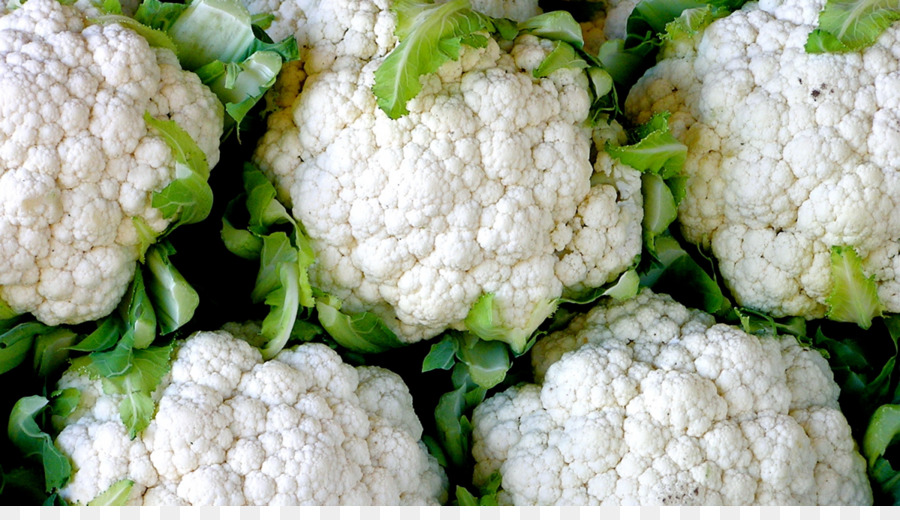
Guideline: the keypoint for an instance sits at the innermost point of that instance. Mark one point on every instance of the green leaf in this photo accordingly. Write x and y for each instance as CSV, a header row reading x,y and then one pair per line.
x,y
111,363
210,30
846,26
660,209
563,56
361,332
188,198
854,296
241,242
423,29
6,312
691,22
487,361
284,303
277,250
104,337
51,351
485,322
25,433
555,25
116,495
884,426
64,401
465,498
442,355
173,298
137,312
16,343
656,149
158,15
146,370
673,271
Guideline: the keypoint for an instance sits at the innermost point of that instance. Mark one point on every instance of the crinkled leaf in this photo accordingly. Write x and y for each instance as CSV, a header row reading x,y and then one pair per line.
x,y
136,411
147,368
25,433
159,15
854,296
173,298
846,26
656,150
116,495
421,28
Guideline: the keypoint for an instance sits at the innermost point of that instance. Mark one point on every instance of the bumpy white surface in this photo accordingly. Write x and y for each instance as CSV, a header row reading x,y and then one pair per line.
x,y
77,160
301,429
485,187
647,402
789,153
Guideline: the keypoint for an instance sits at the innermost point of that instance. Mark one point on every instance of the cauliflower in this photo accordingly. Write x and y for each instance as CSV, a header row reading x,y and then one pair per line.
x,y
648,402
78,161
789,153
303,428
487,186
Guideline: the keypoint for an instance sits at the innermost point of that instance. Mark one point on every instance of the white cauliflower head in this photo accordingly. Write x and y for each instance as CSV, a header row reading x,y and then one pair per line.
x,y
789,153
301,429
648,402
78,162
486,186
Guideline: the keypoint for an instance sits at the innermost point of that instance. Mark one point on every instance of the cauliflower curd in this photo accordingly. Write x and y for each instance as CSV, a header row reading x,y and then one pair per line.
x,y
303,428
486,186
78,162
648,402
789,153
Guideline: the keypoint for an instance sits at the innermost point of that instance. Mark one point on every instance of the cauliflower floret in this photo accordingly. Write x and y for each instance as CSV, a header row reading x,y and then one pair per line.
x,y
647,402
78,163
789,153
486,186
230,429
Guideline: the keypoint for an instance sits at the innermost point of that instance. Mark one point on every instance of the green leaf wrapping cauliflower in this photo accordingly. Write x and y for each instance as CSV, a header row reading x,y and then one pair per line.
x,y
648,402
789,153
487,186
303,428
78,160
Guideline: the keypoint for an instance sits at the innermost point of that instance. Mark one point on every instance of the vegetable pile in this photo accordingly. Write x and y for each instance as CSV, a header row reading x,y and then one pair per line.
x,y
469,252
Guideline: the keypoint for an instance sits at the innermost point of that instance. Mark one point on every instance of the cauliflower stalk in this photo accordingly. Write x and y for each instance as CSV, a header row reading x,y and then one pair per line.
x,y
648,402
486,186
792,163
232,429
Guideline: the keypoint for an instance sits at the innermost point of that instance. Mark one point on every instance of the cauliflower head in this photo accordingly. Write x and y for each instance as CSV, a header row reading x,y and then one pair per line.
x,y
488,185
789,153
78,162
303,428
647,402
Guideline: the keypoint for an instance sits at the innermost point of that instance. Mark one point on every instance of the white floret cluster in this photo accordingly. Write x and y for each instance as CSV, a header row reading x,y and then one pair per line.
x,y
486,186
78,163
789,153
301,429
647,402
